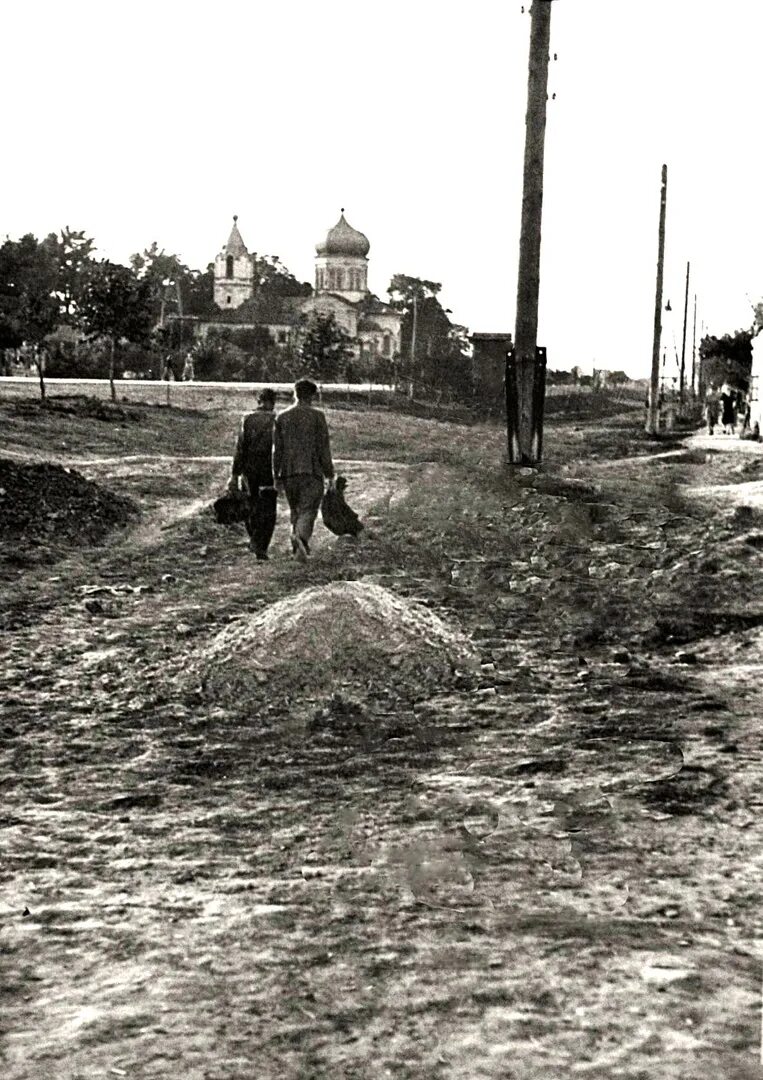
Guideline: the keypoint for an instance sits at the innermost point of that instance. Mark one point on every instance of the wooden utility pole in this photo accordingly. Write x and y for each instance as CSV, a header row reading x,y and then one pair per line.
x,y
682,381
413,345
525,369
694,353
653,417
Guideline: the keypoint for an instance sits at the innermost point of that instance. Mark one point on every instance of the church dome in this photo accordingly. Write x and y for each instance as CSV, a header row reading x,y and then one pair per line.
x,y
343,240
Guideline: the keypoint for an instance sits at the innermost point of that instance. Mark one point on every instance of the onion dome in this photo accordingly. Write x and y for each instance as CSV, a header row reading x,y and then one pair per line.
x,y
235,245
343,240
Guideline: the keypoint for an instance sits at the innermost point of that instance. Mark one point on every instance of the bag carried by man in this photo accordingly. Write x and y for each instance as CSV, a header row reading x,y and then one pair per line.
x,y
231,507
337,516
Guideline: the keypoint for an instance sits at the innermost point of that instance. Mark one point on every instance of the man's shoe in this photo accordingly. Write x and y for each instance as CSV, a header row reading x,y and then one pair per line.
x,y
261,555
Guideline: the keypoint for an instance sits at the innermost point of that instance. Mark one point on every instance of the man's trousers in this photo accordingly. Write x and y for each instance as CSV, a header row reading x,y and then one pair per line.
x,y
303,494
261,520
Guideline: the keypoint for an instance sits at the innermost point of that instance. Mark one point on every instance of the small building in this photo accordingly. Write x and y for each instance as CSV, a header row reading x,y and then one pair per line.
x,y
489,365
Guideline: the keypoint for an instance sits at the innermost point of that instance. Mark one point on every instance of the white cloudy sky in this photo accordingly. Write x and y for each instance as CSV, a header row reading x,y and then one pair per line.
x,y
159,120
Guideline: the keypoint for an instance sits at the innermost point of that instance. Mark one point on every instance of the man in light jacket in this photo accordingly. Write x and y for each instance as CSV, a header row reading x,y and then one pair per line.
x,y
301,462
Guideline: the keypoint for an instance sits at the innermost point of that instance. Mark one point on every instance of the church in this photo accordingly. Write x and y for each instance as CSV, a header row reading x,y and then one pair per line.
x,y
341,289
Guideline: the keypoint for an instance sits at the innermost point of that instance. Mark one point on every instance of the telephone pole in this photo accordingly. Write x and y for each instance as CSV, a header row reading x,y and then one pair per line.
x,y
653,418
682,381
413,346
526,363
694,353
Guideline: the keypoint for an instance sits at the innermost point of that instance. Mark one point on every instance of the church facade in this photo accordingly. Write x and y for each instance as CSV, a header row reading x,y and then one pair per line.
x,y
340,288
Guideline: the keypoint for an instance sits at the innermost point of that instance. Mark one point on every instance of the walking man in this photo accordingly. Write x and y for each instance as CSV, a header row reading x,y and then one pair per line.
x,y
253,460
301,461
712,407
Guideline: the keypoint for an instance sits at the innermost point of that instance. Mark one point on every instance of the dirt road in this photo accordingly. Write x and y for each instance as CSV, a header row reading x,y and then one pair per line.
x,y
550,867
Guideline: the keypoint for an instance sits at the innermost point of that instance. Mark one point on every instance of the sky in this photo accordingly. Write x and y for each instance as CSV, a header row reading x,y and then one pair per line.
x,y
160,120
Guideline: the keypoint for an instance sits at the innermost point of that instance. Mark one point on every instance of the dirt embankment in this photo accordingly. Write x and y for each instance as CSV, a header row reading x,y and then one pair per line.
x,y
54,506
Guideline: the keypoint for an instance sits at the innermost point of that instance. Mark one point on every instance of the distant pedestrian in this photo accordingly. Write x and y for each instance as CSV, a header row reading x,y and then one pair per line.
x,y
253,462
301,462
728,409
168,373
746,412
188,371
712,408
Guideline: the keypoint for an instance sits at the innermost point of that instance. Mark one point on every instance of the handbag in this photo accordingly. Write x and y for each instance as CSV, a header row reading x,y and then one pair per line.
x,y
231,508
337,516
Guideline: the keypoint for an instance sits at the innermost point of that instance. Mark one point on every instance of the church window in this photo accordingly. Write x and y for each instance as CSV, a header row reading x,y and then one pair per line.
x,y
227,300
282,337
332,279
229,266
340,279
387,345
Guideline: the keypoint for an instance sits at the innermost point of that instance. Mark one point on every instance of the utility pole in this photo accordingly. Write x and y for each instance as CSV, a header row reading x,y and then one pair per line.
x,y
413,344
653,419
682,381
694,353
179,297
526,364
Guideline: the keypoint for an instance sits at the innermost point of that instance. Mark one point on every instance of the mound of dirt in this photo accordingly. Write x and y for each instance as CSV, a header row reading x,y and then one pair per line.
x,y
348,632
52,505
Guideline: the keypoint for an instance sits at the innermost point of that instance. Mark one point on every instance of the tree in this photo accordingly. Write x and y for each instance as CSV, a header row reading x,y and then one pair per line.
x,y
272,277
434,349
29,306
726,359
168,280
72,252
116,305
325,347
199,296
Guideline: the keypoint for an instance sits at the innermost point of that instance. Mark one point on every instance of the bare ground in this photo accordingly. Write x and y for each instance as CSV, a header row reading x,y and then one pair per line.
x,y
548,868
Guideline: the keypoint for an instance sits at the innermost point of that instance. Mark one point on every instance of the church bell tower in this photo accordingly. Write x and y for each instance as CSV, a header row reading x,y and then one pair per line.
x,y
234,271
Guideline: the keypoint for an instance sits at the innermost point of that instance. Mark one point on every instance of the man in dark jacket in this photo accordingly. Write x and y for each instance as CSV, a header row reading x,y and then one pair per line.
x,y
301,460
253,460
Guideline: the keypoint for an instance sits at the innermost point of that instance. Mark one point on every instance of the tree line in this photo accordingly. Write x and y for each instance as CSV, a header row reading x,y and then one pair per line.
x,y
73,314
